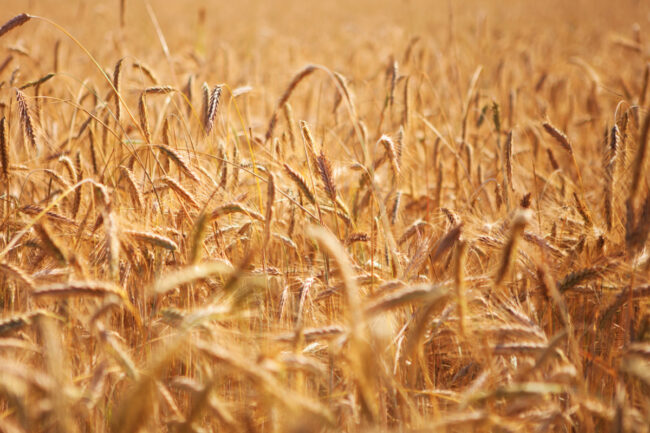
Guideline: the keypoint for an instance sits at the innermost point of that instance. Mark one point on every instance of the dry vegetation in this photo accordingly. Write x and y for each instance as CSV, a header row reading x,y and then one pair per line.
x,y
344,216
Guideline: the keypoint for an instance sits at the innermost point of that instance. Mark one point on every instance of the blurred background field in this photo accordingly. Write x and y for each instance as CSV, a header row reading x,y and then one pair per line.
x,y
269,216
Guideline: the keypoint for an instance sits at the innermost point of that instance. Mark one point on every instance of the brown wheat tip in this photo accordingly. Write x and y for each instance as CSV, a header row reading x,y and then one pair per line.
x,y
325,170
552,160
395,208
184,194
180,162
17,274
159,90
622,297
508,152
522,348
300,181
14,323
36,83
166,139
391,153
122,12
445,243
357,237
4,148
93,154
16,21
285,97
33,210
519,223
235,207
535,239
559,136
77,193
288,115
309,140
574,278
394,72
198,236
153,239
26,118
313,334
49,244
343,83
419,293
117,72
416,226
81,288
136,194
112,243
270,199
69,166
144,117
213,105
582,210
459,277
147,71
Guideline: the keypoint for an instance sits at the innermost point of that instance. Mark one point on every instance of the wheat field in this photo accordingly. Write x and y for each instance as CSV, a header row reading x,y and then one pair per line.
x,y
361,216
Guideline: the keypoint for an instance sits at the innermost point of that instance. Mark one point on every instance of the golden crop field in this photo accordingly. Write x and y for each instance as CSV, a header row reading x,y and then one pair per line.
x,y
324,216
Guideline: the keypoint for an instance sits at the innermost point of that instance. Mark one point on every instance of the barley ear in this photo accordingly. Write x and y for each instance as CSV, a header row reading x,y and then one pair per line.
x,y
4,148
510,251
270,199
16,21
26,118
198,235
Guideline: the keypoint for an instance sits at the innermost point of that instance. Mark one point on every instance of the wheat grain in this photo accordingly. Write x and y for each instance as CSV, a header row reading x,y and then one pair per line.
x,y
183,194
134,189
147,71
16,21
559,137
80,288
391,153
285,97
26,119
510,249
18,274
325,170
300,182
117,84
144,117
50,245
4,148
213,105
180,162
152,238
234,207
